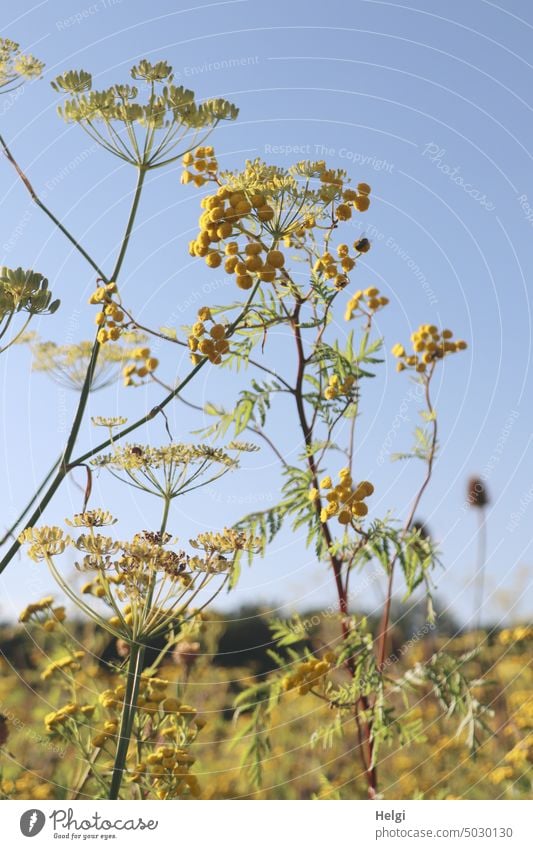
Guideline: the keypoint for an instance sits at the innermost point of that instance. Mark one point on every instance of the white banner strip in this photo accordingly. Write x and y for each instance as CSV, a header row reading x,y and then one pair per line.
x,y
269,825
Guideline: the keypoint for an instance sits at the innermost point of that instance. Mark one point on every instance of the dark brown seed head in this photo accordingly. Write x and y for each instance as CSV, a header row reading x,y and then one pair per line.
x,y
477,493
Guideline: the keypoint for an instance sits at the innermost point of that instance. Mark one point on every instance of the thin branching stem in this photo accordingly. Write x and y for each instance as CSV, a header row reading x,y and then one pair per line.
x,y
385,621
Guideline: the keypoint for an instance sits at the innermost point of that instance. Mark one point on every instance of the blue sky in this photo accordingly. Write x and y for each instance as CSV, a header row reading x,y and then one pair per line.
x,y
434,111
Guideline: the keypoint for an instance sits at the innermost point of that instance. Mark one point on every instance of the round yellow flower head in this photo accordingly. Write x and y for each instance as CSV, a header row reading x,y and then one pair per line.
x,y
365,303
428,346
346,500
213,346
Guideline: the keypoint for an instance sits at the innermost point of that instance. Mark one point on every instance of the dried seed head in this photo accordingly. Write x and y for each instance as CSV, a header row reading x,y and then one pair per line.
x,y
477,493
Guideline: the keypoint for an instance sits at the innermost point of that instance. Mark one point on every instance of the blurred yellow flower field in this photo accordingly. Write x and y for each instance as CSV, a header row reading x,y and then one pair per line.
x,y
43,695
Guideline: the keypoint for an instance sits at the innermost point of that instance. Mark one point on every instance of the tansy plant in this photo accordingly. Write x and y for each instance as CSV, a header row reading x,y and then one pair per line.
x,y
280,230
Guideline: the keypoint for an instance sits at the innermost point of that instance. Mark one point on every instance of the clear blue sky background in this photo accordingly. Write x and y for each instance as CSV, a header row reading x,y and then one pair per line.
x,y
383,86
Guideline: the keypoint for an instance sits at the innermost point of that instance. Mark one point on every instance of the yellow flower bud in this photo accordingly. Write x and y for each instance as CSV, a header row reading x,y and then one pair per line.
x,y
275,259
218,331
361,203
244,281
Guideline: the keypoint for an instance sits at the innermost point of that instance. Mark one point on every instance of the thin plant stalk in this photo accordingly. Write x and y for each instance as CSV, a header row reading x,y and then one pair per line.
x,y
36,199
363,727
64,464
10,531
385,622
480,566
128,714
64,470
135,667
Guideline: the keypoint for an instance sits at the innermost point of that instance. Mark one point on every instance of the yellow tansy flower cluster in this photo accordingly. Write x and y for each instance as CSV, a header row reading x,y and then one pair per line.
x,y
429,344
43,613
152,698
126,613
279,204
28,786
247,264
107,732
337,387
203,161
97,588
500,774
220,221
166,767
337,268
176,723
521,708
210,343
110,317
143,365
345,500
515,635
365,302
68,663
358,199
308,674
521,755
56,718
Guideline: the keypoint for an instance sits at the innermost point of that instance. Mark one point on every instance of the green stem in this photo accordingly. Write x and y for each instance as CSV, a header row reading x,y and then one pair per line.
x,y
143,420
168,398
151,588
30,504
36,199
129,227
128,713
129,708
96,347
164,519
64,465
35,516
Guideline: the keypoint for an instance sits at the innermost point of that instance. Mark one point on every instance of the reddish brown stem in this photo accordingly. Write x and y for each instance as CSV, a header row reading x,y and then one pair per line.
x,y
364,728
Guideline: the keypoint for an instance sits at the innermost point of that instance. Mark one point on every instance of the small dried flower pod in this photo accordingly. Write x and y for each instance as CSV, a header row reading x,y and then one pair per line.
x,y
477,493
